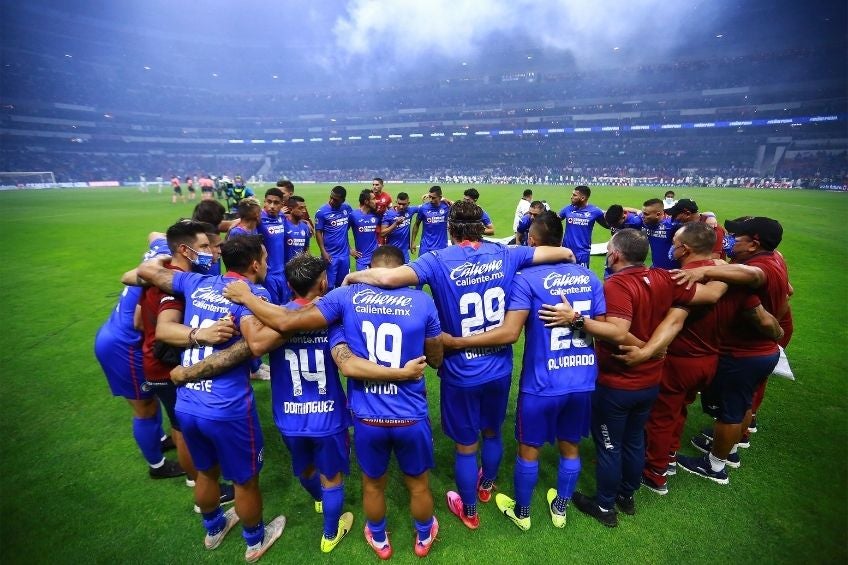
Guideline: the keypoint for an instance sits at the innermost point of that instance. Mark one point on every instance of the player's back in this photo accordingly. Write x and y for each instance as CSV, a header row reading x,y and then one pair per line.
x,y
121,321
389,327
557,360
306,393
470,283
229,395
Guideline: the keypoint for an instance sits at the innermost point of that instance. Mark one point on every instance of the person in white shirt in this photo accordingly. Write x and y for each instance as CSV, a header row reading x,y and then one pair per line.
x,y
523,208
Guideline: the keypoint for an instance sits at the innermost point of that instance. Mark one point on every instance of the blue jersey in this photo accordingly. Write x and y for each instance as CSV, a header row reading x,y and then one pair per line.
x,y
238,230
364,226
631,221
660,239
434,235
297,239
486,219
120,322
557,360
333,222
306,393
388,327
228,396
524,228
470,284
273,231
578,226
400,235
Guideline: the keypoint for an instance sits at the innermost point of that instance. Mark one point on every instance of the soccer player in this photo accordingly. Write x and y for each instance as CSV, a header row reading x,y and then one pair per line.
x,y
272,228
660,230
207,187
746,356
219,418
309,405
618,218
396,222
434,215
117,347
383,203
472,195
470,281
522,208
557,374
297,229
685,211
365,225
178,190
638,299
391,327
190,185
580,218
331,225
248,213
523,229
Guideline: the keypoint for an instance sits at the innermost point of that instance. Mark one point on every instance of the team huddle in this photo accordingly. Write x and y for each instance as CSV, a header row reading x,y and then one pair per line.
x,y
619,359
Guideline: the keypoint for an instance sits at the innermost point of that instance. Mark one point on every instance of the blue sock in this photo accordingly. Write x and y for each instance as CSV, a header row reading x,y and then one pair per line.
x,y
465,469
214,521
491,455
255,535
333,498
423,528
378,530
312,485
255,363
146,433
525,477
162,434
569,471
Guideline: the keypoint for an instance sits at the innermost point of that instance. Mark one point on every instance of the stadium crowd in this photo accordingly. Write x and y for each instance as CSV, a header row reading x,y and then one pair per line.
x,y
618,359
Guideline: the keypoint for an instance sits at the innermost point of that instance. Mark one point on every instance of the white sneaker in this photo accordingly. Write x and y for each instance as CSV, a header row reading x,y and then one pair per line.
x,y
273,531
263,373
212,542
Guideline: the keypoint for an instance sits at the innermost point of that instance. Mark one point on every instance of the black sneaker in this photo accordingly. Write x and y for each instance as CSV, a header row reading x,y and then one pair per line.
x,y
587,505
705,446
228,495
168,470
654,483
626,504
167,444
701,466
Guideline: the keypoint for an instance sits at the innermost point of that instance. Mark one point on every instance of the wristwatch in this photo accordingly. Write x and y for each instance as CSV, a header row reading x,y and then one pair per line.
x,y
578,322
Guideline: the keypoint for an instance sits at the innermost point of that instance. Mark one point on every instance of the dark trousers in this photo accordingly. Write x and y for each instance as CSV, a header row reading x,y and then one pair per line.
x,y
618,429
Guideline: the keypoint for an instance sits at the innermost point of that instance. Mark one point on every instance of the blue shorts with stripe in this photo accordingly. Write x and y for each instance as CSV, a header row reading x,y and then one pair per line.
x,y
329,454
412,446
466,411
549,419
235,445
122,365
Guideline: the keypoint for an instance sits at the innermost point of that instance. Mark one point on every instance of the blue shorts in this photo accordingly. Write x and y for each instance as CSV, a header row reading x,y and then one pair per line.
x,y
582,258
276,285
337,270
166,392
413,447
122,365
548,419
330,454
730,393
466,411
235,445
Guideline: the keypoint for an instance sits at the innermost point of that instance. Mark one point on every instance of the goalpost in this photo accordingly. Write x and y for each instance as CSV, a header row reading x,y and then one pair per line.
x,y
27,179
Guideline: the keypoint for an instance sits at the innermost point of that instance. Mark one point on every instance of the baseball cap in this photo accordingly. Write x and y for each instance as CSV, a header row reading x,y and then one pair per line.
x,y
683,205
765,230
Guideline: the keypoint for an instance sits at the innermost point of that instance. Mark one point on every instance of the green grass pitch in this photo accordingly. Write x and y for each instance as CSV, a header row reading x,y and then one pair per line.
x,y
75,488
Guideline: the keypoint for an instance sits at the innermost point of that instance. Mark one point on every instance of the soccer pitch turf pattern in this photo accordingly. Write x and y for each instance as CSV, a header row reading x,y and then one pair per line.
x,y
75,487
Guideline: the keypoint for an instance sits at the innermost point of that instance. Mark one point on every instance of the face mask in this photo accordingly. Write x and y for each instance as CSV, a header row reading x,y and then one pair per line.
x,y
203,262
607,269
729,242
671,253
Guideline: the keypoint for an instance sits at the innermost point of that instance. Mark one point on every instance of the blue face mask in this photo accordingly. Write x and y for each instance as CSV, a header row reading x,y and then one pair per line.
x,y
203,262
671,253
607,269
729,242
